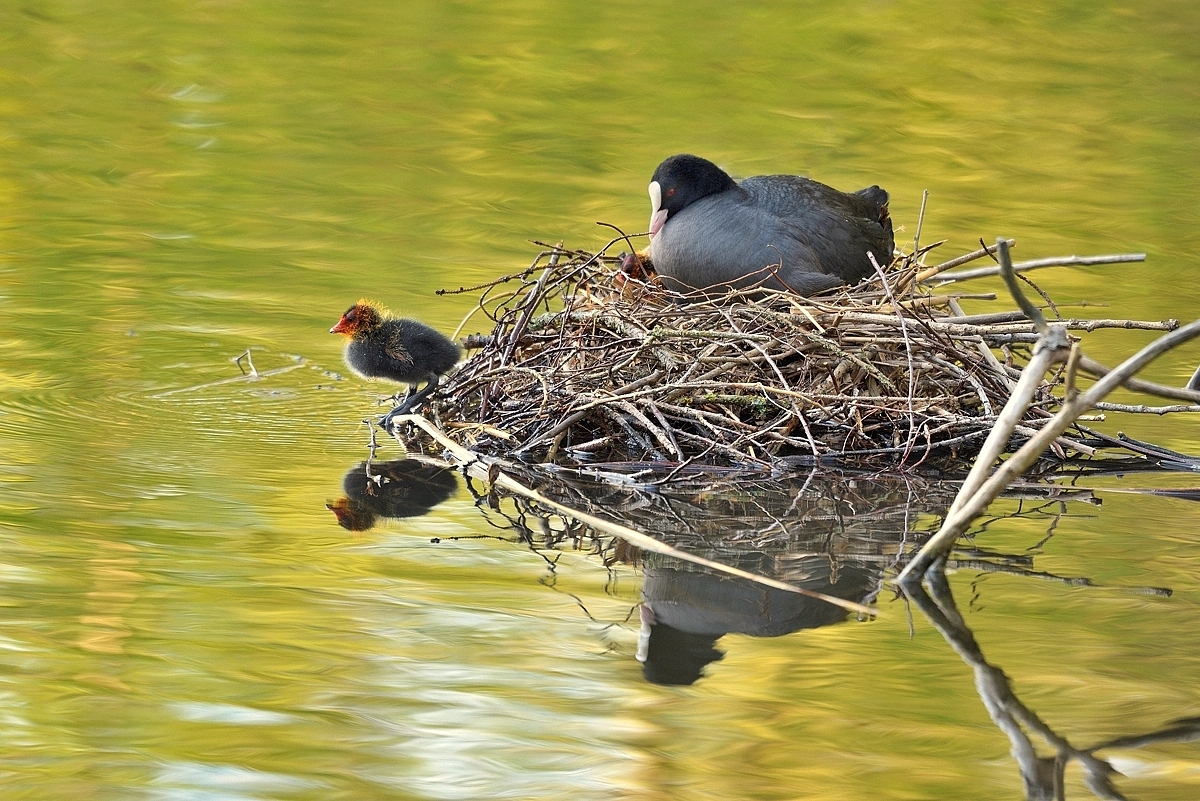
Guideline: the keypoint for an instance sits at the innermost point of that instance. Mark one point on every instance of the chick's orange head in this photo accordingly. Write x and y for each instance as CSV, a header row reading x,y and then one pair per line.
x,y
362,316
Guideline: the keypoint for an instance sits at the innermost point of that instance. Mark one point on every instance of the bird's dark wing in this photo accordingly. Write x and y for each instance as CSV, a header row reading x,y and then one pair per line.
x,y
394,347
840,228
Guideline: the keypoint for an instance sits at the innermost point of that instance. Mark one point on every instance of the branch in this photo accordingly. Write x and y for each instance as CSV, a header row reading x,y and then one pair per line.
x,y
1053,345
925,275
968,506
1093,367
1037,264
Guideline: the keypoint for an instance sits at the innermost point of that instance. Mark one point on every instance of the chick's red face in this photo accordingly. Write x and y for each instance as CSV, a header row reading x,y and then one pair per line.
x,y
348,324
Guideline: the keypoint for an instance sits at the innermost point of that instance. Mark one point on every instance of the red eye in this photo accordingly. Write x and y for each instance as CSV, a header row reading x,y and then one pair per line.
x,y
670,191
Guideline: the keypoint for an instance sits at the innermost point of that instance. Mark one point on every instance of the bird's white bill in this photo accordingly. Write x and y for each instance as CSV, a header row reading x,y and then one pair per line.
x,y
658,216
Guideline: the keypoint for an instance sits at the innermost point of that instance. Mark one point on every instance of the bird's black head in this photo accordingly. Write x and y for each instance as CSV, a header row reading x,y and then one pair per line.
x,y
680,181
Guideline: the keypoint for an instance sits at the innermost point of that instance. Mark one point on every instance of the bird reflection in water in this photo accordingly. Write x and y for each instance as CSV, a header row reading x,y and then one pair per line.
x,y
831,533
684,613
402,488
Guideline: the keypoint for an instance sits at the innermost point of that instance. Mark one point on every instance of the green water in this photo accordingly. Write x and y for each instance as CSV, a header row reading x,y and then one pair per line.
x,y
182,618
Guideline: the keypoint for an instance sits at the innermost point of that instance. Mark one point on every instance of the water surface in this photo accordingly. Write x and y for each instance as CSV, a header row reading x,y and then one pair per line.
x,y
182,617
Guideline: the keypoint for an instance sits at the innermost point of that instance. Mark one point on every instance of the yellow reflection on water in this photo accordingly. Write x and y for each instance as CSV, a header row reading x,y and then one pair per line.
x,y
182,614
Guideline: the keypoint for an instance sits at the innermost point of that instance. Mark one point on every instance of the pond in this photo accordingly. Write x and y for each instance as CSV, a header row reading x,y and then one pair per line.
x,y
182,614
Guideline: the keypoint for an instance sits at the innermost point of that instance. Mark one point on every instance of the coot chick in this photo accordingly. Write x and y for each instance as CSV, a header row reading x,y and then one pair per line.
x,y
397,349
709,234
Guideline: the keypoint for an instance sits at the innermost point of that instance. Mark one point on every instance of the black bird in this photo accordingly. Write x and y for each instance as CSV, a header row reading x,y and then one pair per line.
x,y
709,233
397,349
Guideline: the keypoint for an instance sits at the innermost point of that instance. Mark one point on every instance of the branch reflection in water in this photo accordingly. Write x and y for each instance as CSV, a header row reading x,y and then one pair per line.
x,y
836,533
1043,776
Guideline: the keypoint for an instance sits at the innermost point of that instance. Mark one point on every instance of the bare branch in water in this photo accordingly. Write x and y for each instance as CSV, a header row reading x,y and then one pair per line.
x,y
1053,346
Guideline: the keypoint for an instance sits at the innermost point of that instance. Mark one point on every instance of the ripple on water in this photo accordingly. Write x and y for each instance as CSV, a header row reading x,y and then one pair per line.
x,y
217,782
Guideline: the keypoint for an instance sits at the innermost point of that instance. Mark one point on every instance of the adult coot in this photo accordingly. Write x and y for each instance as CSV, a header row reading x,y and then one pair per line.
x,y
397,349
709,233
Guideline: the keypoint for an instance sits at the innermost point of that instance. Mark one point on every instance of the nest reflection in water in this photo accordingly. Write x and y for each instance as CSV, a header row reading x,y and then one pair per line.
x,y
831,532
835,532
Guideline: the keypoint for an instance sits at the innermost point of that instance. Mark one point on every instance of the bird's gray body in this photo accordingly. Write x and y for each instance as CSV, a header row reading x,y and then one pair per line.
x,y
779,232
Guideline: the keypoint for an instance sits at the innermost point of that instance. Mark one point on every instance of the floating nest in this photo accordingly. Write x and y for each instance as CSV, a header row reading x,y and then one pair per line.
x,y
586,364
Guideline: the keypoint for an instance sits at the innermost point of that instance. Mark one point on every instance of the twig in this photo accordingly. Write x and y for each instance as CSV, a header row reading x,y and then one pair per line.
x,y
973,503
1140,385
1037,264
1048,351
236,379
920,223
1143,409
925,275
249,360
1008,270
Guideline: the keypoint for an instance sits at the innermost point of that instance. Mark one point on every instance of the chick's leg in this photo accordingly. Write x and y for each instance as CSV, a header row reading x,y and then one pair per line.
x,y
410,401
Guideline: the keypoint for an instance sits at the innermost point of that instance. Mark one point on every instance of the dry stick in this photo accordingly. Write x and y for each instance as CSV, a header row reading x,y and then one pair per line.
x,y
987,318
1009,271
972,256
975,495
1037,264
531,303
1048,351
1138,385
952,325
1055,337
1143,409
920,224
249,360
912,371
481,305
957,521
482,468
1142,325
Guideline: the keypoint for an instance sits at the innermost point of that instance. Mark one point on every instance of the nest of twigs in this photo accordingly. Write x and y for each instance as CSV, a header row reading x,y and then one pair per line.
x,y
585,364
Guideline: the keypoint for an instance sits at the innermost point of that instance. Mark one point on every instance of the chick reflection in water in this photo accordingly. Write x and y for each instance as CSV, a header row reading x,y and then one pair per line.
x,y
684,613
403,488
